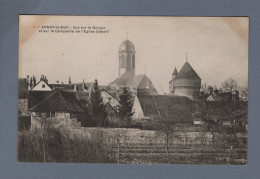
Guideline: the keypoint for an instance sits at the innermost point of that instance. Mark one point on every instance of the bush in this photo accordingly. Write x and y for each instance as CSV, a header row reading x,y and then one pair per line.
x,y
53,145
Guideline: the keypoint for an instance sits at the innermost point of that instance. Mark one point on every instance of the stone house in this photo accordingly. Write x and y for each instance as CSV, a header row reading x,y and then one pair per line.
x,y
55,104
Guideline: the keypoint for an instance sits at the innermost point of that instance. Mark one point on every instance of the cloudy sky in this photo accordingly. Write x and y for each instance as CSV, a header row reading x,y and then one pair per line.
x,y
217,48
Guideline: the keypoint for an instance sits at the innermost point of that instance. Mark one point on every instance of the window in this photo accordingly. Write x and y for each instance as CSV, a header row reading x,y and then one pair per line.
x,y
43,85
133,61
122,61
128,63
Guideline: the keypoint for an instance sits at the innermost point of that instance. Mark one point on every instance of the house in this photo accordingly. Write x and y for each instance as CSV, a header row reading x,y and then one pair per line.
x,y
175,108
55,104
42,85
222,111
110,98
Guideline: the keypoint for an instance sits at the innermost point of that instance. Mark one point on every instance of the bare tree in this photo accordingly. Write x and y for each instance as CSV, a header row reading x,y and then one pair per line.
x,y
167,127
229,85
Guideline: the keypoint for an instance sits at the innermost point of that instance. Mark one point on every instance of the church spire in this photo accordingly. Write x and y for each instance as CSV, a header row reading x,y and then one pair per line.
x,y
126,33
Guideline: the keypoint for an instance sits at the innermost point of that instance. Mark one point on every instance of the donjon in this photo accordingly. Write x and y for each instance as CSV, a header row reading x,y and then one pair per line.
x,y
185,83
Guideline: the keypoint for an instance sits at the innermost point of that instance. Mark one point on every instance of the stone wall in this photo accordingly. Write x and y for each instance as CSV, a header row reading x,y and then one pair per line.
x,y
70,124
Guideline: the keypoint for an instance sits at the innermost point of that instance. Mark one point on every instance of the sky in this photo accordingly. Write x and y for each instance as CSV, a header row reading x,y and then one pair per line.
x,y
216,48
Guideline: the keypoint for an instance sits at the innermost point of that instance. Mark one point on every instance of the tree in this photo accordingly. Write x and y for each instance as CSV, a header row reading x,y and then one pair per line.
x,y
97,107
125,106
228,111
229,85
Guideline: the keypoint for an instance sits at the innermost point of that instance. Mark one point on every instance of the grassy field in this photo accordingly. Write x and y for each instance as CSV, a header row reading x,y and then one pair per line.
x,y
127,146
143,154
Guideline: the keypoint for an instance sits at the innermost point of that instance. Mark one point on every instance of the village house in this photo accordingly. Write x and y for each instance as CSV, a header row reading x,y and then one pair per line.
x,y
42,85
55,104
111,98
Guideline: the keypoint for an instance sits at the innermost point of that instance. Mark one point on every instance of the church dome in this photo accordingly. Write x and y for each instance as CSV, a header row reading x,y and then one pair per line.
x,y
127,46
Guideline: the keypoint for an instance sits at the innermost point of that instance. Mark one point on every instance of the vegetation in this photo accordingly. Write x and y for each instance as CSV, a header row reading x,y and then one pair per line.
x,y
229,85
57,146
125,107
97,107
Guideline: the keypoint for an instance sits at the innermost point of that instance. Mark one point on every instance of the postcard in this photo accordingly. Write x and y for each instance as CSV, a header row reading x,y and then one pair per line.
x,y
133,89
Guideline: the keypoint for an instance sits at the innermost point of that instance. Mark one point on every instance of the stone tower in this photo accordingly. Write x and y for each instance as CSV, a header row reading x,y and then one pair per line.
x,y
174,75
126,58
186,82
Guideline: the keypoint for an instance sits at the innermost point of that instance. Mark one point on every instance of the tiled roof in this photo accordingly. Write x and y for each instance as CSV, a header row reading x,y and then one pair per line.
x,y
176,108
59,101
35,97
187,72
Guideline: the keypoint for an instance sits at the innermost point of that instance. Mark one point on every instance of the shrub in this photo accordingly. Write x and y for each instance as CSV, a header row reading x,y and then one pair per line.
x,y
55,145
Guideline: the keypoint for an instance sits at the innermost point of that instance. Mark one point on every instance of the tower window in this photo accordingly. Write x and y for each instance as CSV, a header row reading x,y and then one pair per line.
x,y
122,61
128,62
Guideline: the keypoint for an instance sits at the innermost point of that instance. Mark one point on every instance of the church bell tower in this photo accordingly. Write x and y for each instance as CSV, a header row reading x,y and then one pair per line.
x,y
126,58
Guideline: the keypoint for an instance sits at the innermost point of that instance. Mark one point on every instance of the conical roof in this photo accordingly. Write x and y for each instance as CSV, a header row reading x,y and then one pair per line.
x,y
175,72
187,72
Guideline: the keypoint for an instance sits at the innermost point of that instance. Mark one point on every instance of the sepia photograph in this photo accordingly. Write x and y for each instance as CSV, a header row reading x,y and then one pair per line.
x,y
133,89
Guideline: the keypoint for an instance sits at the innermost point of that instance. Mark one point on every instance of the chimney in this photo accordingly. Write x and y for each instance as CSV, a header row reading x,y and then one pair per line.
x,y
30,84
34,81
27,78
69,80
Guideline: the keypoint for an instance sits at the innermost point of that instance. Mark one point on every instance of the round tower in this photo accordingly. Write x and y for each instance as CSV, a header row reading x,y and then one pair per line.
x,y
171,85
187,82
126,58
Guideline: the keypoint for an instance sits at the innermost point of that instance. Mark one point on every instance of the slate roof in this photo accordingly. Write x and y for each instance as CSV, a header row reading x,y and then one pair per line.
x,y
187,72
35,97
137,82
176,108
123,80
175,72
58,101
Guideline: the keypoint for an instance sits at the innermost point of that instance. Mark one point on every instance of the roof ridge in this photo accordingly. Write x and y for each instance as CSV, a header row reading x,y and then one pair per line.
x,y
64,101
44,82
44,100
156,106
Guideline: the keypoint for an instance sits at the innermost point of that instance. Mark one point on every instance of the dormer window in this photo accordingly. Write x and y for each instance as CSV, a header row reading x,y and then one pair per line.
x,y
43,86
109,100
